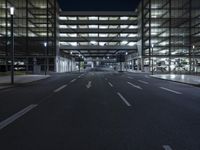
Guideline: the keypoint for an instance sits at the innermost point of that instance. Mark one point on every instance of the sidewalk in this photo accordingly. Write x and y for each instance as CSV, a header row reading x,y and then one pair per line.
x,y
187,79
20,79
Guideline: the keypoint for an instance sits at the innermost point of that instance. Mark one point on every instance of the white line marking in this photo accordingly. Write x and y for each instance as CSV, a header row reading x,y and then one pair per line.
x,y
89,85
73,80
60,88
143,82
124,100
169,90
80,76
110,84
130,77
167,147
136,86
14,117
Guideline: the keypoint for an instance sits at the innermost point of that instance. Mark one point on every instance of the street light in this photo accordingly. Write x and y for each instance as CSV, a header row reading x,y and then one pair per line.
x,y
193,48
12,11
45,45
152,46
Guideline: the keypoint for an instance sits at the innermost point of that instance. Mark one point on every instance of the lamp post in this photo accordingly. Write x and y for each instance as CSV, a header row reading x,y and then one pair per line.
x,y
45,71
71,53
193,48
152,46
12,11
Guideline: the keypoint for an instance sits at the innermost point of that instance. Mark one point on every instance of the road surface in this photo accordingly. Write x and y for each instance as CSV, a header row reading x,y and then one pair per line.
x,y
100,110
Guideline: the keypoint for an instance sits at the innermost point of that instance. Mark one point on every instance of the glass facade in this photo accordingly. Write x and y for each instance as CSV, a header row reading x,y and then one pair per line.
x,y
161,36
35,23
98,34
169,36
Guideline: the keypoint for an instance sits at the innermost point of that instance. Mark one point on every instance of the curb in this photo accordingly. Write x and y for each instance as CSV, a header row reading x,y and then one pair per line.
x,y
196,85
22,84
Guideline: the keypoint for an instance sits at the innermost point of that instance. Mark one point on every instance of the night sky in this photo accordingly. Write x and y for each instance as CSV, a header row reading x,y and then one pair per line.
x,y
98,5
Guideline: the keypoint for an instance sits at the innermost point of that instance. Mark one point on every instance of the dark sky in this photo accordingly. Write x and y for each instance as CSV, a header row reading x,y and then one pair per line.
x,y
98,5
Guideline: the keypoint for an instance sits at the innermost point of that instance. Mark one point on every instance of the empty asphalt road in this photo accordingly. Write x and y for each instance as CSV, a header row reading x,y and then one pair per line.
x,y
100,110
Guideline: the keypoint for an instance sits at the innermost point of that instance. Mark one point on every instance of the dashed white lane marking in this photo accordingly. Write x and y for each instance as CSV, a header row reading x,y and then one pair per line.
x,y
14,117
169,90
89,85
130,77
144,82
73,80
123,99
110,84
167,147
136,86
60,88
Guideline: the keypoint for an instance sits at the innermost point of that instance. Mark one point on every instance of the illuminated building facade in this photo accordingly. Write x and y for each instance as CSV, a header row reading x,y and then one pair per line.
x,y
160,36
169,36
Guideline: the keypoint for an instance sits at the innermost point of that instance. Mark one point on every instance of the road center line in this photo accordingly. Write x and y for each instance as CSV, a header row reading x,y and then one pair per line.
x,y
14,117
136,86
123,99
89,85
80,76
73,80
167,147
110,84
60,88
169,90
141,81
130,77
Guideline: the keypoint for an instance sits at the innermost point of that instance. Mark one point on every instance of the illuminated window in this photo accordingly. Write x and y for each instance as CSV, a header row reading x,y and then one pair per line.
x,y
83,35
124,18
72,35
83,26
82,18
73,26
103,35
132,35
103,18
113,26
131,43
133,27
113,35
63,35
123,34
73,43
93,26
113,18
93,34
103,27
124,26
63,18
72,18
93,18
124,42
63,26
102,43
94,42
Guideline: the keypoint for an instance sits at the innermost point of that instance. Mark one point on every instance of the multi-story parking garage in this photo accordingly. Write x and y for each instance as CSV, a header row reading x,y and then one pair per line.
x,y
169,36
159,36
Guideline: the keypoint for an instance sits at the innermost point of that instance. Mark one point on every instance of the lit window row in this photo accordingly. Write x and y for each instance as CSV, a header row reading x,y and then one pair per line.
x,y
97,27
72,18
95,43
97,35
